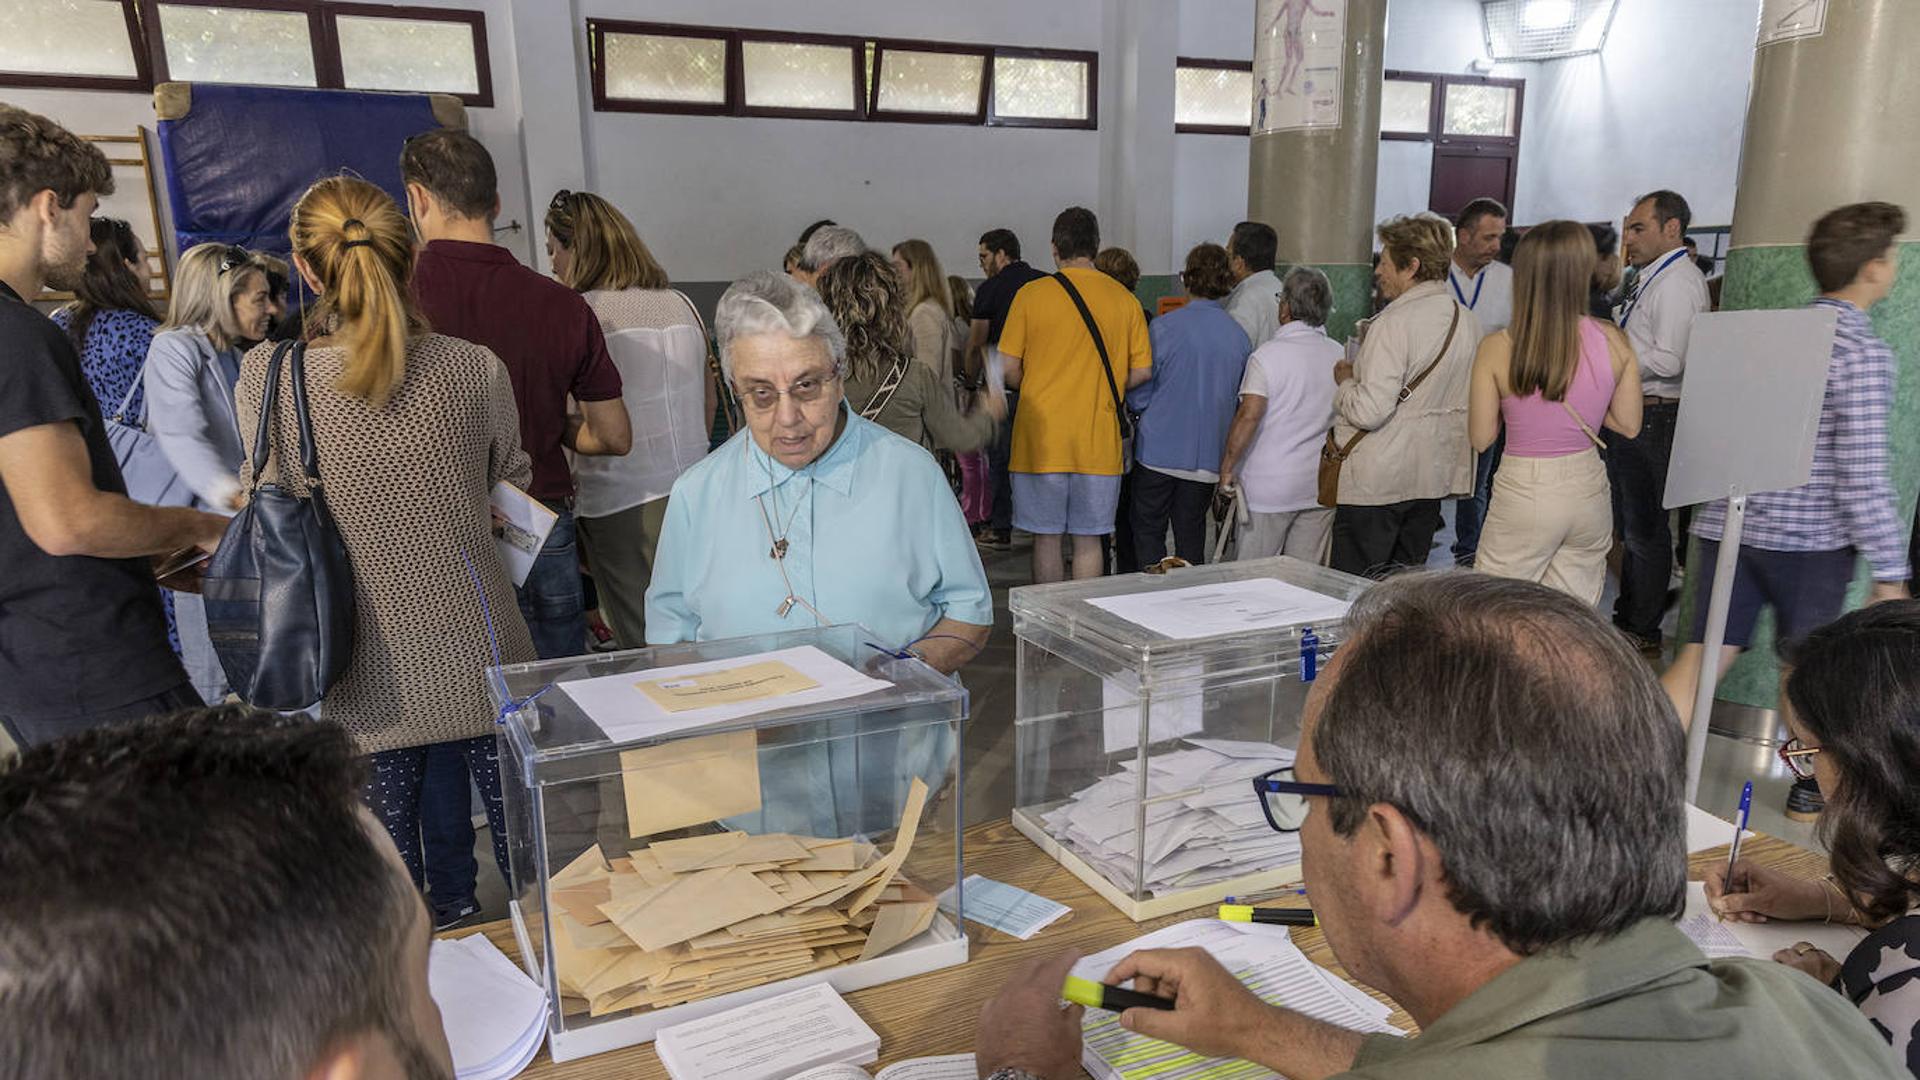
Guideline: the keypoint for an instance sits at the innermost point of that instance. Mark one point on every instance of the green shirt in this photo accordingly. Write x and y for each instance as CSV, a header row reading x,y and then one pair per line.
x,y
1646,1003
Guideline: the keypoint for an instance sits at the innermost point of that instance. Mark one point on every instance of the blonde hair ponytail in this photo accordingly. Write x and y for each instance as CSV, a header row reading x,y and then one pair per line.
x,y
352,237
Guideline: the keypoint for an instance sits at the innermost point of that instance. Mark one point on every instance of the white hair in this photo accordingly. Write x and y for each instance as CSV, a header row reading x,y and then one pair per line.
x,y
830,242
770,303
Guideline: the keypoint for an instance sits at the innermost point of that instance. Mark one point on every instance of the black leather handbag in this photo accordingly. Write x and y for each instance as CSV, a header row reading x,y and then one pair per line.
x,y
279,590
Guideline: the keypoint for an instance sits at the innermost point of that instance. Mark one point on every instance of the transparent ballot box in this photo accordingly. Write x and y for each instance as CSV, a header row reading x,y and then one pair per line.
x,y
1146,705
694,827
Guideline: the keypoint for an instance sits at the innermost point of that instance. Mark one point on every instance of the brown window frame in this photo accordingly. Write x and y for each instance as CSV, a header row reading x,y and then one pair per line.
x,y
141,81
1437,108
976,118
149,47
1436,101
1219,65
855,46
598,29
1091,59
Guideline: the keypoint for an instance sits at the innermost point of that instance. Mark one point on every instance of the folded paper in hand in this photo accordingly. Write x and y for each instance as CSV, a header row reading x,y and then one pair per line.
x,y
521,524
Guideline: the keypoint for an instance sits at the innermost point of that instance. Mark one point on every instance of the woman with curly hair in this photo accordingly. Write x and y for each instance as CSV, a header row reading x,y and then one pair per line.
x,y
1854,711
884,383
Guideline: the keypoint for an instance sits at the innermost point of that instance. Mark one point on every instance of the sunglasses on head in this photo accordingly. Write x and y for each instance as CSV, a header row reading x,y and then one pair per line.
x,y
233,257
561,200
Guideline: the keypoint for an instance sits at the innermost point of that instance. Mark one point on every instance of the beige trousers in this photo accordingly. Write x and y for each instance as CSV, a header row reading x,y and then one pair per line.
x,y
1550,521
1303,534
620,549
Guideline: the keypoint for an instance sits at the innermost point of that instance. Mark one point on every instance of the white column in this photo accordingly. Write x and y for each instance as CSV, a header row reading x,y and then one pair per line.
x,y
1140,43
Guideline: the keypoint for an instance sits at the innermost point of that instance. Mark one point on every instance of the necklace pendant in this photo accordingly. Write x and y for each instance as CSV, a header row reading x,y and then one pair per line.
x,y
779,549
785,606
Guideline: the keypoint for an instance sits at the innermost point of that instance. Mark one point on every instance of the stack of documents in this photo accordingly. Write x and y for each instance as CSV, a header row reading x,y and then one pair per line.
x,y
1264,958
769,1039
494,1015
1720,939
684,920
1204,823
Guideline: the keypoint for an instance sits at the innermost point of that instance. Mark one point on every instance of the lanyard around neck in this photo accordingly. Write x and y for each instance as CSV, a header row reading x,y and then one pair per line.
x,y
1640,289
1479,282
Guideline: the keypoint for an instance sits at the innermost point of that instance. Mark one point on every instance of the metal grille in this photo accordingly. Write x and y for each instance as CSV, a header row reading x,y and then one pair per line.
x,y
422,55
1545,29
237,45
785,75
66,37
931,82
1038,89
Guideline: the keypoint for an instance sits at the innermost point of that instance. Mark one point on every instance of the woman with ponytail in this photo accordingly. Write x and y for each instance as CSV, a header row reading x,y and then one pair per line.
x,y
413,430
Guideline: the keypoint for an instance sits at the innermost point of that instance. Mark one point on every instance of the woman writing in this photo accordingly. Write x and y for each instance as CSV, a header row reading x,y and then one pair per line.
x,y
413,430
1552,379
659,344
1854,713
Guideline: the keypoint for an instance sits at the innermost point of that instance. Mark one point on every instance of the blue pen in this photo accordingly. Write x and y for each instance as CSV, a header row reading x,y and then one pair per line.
x,y
1746,807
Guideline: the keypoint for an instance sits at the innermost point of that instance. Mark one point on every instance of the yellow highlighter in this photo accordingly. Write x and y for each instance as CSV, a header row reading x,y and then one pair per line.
x,y
1270,915
1111,998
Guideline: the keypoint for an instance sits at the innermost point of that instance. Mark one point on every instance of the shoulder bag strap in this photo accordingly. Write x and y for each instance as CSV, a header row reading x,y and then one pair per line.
x,y
1598,443
120,414
883,396
269,405
1106,364
727,401
1339,453
309,451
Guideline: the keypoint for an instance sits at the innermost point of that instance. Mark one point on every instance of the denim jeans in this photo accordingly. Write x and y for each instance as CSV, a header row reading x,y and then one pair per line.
x,y
446,829
552,600
999,454
396,790
1637,472
1470,513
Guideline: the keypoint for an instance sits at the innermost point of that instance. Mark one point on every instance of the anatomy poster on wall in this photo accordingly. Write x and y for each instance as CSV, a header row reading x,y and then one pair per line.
x,y
1296,66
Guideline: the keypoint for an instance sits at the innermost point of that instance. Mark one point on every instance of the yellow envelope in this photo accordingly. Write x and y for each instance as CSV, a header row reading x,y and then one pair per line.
x,y
728,686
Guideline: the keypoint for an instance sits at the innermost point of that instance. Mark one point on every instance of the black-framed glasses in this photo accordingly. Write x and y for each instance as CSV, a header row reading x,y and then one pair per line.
x,y
1284,799
1798,757
806,390
233,257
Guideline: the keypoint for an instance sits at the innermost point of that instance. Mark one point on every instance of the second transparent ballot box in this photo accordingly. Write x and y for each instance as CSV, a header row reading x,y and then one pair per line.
x,y
1145,707
693,827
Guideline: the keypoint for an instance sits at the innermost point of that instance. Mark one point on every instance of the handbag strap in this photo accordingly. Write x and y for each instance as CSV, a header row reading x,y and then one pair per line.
x,y
139,379
1106,364
1598,444
270,409
1338,453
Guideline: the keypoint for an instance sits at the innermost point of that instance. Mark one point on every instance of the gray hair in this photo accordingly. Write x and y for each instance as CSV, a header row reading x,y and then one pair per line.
x,y
773,303
1522,734
830,242
1308,295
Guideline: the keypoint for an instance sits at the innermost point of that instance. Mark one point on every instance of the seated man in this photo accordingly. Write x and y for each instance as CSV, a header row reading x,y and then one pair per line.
x,y
205,896
1496,841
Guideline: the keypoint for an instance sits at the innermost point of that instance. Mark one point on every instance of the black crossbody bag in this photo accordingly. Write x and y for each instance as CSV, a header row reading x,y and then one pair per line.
x,y
1129,422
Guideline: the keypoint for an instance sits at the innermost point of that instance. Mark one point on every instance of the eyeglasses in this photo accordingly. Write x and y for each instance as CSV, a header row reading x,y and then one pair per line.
x,y
1284,799
805,390
1798,757
233,257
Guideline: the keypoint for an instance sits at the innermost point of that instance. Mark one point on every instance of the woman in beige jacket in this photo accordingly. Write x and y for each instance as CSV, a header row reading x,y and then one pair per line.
x,y
1415,452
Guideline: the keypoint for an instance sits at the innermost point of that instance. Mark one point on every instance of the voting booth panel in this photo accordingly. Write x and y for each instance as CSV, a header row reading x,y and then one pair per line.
x,y
695,827
1145,707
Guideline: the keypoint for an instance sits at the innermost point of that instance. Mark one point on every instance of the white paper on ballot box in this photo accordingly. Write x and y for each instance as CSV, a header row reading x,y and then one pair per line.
x,y
1228,607
624,712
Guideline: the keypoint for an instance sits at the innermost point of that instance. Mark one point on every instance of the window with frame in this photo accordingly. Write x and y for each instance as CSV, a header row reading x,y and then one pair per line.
x,y
1042,88
1213,96
134,44
918,81
1450,108
1406,107
797,75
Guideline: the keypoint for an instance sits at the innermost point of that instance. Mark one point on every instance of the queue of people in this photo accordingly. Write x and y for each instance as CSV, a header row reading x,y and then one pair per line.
x,y
1524,924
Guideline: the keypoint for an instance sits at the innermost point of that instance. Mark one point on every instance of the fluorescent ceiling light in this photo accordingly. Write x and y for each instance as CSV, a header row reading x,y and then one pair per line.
x,y
1518,30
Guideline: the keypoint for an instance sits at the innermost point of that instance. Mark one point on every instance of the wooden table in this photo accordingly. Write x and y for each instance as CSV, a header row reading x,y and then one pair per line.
x,y
935,1013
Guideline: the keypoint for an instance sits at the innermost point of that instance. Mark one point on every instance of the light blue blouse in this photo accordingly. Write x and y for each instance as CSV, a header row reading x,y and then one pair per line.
x,y
873,533
874,536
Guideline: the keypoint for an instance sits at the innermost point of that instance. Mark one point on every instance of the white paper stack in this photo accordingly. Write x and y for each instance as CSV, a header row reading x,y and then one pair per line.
x,y
495,1017
770,1039
1204,822
1265,959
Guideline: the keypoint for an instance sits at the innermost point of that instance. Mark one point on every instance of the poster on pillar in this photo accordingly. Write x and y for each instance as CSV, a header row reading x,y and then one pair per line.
x,y
1786,20
1296,65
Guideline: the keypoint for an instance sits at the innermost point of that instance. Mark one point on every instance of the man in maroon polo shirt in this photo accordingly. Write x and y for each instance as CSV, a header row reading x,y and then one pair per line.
x,y
469,287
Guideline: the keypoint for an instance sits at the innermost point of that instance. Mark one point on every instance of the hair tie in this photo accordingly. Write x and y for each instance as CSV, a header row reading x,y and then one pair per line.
x,y
362,242
350,223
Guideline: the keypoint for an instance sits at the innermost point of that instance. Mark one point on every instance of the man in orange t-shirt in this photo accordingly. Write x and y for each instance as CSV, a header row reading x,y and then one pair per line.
x,y
1066,462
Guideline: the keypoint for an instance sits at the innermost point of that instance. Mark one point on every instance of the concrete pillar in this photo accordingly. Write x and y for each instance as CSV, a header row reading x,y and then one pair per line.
x,y
1315,186
1136,118
1829,124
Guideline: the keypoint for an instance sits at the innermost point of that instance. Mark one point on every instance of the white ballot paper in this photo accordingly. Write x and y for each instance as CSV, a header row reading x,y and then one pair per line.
x,y
945,1067
495,1017
770,1039
1228,607
1170,716
522,523
1706,831
1719,938
1264,958
644,704
1007,908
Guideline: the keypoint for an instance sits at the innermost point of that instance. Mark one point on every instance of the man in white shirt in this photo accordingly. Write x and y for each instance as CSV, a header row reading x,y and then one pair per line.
x,y
1286,406
1657,317
1483,285
1251,250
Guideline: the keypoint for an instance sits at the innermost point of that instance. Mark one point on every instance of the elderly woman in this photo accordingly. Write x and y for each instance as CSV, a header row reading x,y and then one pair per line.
x,y
813,516
1400,410
1854,697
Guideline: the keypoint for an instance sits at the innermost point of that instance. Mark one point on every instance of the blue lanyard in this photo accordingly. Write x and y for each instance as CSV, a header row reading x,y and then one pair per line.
x,y
1479,283
1640,289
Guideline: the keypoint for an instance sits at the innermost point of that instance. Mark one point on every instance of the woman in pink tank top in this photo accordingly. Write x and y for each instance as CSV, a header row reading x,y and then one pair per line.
x,y
1553,379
